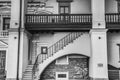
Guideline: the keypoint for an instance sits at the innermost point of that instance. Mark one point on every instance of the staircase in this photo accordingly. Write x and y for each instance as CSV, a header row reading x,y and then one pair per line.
x,y
53,49
28,73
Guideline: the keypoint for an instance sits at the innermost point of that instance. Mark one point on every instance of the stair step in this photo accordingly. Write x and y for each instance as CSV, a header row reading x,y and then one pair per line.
x,y
28,73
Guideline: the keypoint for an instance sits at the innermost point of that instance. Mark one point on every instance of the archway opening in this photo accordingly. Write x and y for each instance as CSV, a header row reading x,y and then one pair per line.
x,y
73,66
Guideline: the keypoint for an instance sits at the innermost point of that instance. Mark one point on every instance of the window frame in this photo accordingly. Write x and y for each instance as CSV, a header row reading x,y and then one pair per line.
x,y
4,23
64,5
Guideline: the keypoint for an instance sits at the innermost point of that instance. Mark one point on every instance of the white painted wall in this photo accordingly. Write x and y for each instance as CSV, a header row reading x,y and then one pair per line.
x,y
98,13
113,49
53,4
81,6
47,39
15,12
77,6
50,39
111,6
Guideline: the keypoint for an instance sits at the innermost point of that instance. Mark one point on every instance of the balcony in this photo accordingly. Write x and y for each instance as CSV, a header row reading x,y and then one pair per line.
x,y
58,22
112,20
68,22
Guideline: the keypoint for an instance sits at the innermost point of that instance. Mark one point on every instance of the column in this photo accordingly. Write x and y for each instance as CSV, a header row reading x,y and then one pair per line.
x,y
98,60
15,64
98,65
24,51
12,56
24,41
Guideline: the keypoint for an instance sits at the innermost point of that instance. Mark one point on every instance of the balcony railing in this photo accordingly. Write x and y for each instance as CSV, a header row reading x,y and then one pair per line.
x,y
112,18
79,21
59,19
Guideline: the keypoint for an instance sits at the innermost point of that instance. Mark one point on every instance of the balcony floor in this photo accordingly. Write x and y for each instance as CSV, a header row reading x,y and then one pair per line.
x,y
58,26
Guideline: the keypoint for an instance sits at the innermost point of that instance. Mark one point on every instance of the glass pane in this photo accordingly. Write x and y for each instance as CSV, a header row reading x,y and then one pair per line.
x,y
7,21
66,10
61,75
61,9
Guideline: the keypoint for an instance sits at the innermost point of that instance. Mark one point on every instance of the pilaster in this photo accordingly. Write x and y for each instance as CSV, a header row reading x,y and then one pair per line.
x,y
15,56
98,13
98,60
12,56
98,67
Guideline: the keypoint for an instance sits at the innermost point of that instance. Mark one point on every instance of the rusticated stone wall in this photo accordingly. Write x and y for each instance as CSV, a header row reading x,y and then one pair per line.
x,y
77,68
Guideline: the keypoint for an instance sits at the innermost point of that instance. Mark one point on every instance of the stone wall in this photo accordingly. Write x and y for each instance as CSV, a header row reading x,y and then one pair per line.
x,y
77,68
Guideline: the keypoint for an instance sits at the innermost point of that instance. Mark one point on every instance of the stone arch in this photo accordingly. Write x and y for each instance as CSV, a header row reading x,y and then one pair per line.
x,y
52,61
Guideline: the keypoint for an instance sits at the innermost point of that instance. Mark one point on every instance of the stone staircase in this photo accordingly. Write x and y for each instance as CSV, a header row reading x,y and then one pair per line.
x,y
28,73
52,50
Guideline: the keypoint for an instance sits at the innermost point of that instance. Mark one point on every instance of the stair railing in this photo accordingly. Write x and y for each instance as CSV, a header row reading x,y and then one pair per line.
x,y
59,45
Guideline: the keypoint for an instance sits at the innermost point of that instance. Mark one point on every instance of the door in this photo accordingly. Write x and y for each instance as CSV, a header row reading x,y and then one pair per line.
x,y
62,76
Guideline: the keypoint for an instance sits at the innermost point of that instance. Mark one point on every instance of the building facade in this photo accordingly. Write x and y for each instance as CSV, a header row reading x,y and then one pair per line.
x,y
60,39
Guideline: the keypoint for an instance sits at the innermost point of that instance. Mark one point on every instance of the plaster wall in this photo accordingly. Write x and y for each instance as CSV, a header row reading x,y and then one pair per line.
x,y
80,6
50,39
113,50
83,6
111,6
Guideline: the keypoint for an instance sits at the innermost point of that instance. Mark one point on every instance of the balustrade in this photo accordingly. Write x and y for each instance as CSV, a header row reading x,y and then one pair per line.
x,y
59,19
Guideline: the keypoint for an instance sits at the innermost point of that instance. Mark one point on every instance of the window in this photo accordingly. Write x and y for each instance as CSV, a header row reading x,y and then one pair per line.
x,y
6,23
64,8
62,76
44,49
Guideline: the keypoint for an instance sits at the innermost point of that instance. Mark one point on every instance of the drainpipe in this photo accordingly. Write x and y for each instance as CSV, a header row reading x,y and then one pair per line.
x,y
19,33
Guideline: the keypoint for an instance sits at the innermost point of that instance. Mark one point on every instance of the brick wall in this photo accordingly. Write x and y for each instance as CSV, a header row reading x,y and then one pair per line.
x,y
77,68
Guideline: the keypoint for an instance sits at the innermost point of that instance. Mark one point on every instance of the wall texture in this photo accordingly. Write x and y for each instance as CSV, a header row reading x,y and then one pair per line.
x,y
52,6
111,6
81,6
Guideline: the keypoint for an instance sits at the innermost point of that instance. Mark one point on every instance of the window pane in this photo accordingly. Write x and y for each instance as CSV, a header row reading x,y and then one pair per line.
x,y
6,23
61,75
61,9
66,10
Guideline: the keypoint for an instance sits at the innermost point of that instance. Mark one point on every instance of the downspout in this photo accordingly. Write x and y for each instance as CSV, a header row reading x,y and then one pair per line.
x,y
19,34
